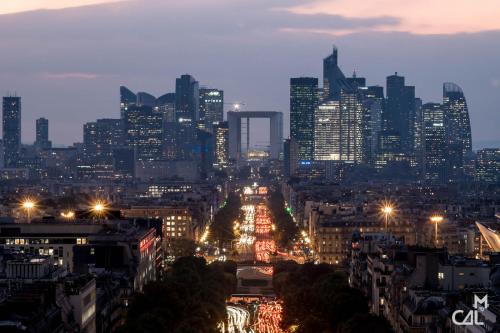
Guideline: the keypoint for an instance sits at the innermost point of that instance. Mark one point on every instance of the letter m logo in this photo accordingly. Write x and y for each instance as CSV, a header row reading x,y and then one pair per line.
x,y
480,303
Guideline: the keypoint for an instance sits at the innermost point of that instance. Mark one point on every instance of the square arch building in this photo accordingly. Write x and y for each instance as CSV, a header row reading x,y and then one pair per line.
x,y
275,129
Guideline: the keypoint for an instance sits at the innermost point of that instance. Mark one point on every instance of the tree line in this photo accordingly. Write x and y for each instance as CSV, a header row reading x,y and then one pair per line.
x,y
221,229
286,229
190,299
318,299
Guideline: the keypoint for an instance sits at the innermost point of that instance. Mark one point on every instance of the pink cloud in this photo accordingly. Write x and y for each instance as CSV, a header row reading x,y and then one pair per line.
x,y
71,75
17,6
417,16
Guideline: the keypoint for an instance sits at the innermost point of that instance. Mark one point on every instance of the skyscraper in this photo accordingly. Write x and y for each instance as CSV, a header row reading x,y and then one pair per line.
x,y
11,121
434,144
187,108
146,99
290,157
165,104
488,165
99,140
373,102
42,133
221,137
187,98
399,111
211,107
127,97
351,127
458,133
327,134
303,101
144,132
333,78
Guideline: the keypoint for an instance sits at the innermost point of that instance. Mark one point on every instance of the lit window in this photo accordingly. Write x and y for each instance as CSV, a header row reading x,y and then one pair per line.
x,y
441,276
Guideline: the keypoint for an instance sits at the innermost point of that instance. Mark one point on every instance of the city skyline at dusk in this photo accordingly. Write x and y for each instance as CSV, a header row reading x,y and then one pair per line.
x,y
250,166
237,47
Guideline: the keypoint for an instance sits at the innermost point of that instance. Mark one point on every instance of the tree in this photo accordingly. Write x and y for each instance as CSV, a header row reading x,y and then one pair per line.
x,y
316,298
191,299
286,229
222,228
181,247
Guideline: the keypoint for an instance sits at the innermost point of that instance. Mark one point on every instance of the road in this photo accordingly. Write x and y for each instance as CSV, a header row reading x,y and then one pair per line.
x,y
238,320
255,244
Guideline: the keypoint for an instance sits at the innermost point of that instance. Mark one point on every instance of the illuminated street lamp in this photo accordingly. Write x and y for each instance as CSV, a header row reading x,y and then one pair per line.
x,y
436,219
99,208
68,215
28,206
387,210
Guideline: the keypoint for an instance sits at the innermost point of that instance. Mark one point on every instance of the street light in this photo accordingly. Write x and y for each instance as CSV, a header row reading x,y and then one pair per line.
x,y
436,219
28,205
68,215
387,210
99,208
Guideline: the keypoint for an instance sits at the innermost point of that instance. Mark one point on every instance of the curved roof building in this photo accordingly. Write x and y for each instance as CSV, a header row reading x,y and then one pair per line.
x,y
492,237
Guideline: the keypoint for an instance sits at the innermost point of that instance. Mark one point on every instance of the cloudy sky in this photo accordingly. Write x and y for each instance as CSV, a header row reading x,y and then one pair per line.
x,y
66,58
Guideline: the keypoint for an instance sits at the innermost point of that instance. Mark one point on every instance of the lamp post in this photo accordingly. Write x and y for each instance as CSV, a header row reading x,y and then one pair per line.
x,y
28,205
436,219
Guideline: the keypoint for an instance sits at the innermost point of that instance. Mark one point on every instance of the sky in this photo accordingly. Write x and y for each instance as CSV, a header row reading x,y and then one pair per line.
x,y
67,58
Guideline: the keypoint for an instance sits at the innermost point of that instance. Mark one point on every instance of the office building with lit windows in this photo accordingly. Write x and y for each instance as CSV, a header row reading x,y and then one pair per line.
x,y
211,107
434,144
327,134
351,127
11,130
488,165
372,98
458,131
303,101
143,130
100,138
221,147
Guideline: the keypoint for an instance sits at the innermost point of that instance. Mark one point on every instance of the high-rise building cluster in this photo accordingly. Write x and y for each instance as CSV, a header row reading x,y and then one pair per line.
x,y
174,134
349,123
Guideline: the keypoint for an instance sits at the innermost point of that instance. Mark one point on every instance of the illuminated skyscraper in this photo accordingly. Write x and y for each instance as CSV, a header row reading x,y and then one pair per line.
x,y
488,165
327,134
99,140
458,132
221,137
211,107
144,132
351,127
11,121
373,102
303,102
434,143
